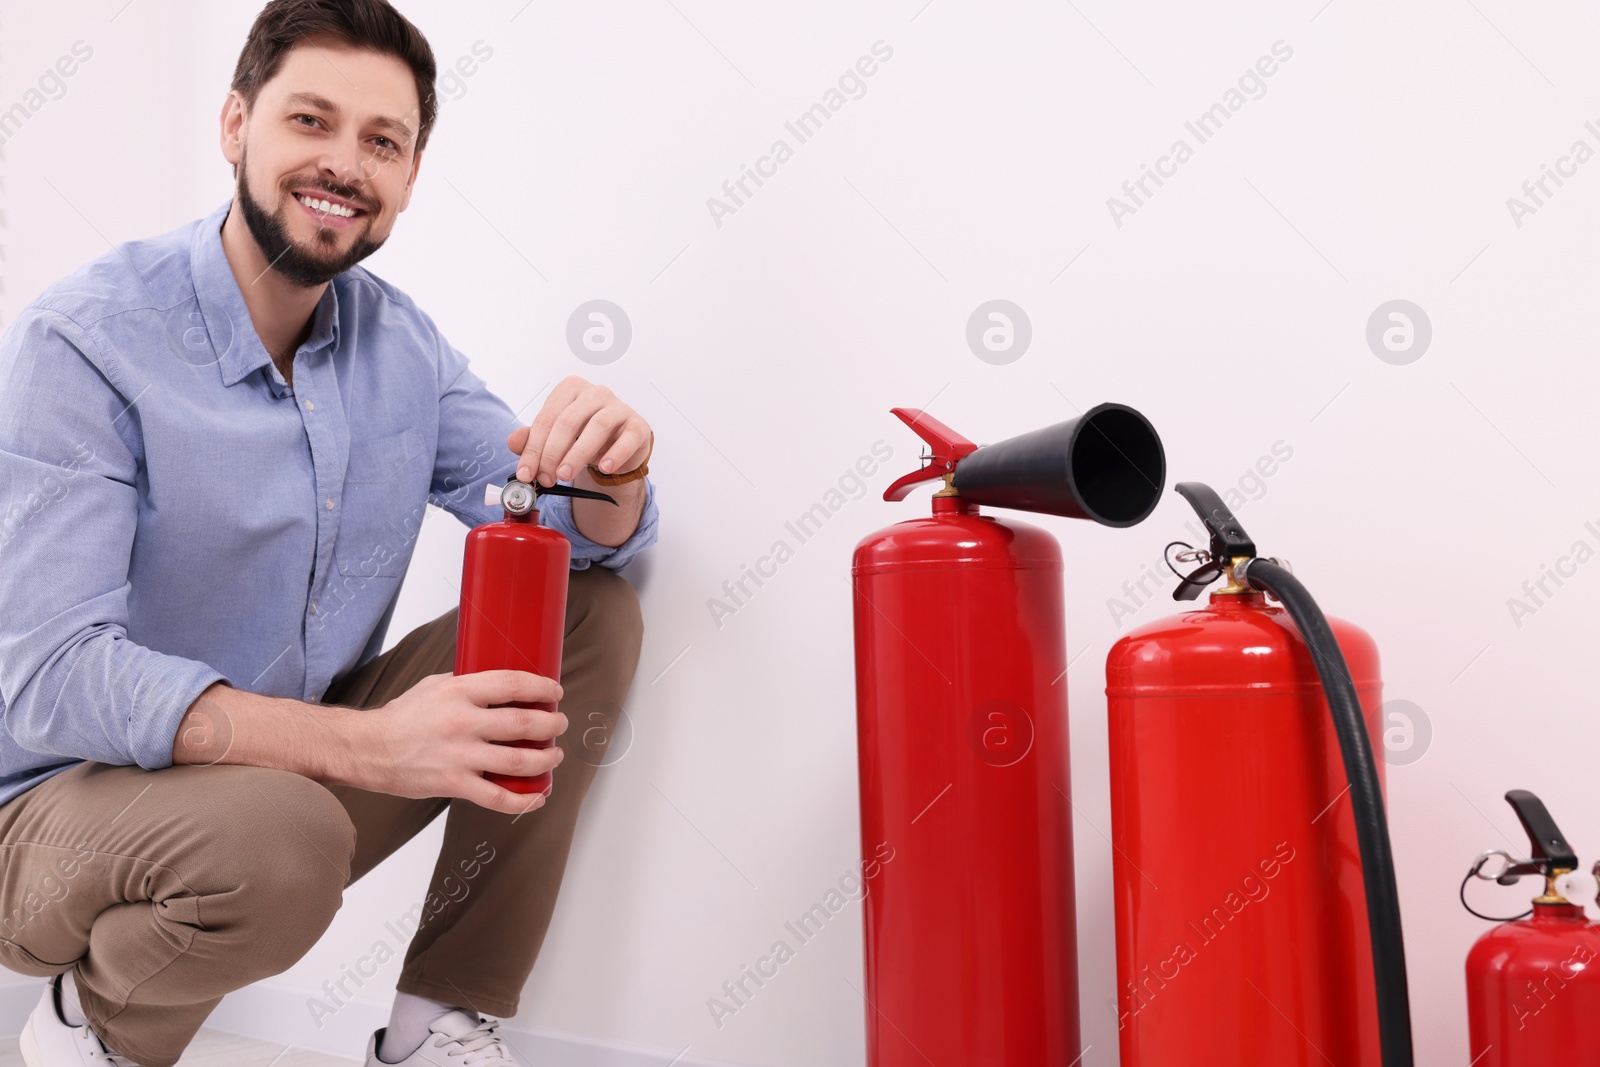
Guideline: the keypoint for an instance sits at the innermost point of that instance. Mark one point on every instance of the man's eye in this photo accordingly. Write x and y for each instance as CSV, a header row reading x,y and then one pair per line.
x,y
387,145
308,118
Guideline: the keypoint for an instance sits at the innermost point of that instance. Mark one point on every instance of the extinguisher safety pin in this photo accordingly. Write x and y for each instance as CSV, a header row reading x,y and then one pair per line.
x,y
1193,555
1485,856
1193,583
1511,870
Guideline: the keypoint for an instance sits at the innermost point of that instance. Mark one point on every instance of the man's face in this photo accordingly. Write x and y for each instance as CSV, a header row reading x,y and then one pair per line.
x,y
312,137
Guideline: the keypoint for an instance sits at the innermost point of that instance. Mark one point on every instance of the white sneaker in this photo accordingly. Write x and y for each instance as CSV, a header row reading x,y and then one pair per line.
x,y
47,1040
453,1035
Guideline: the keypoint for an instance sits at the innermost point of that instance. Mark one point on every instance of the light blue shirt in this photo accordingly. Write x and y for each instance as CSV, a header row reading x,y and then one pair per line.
x,y
173,513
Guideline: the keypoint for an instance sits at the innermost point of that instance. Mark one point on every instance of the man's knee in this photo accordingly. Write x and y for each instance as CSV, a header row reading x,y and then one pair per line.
x,y
303,820
284,852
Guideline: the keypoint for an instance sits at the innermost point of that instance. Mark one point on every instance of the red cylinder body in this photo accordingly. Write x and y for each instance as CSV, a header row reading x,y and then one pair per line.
x,y
513,612
971,941
1533,990
1241,917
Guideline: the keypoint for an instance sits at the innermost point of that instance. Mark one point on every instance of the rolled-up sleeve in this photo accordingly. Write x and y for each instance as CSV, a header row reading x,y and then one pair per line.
x,y
473,426
556,513
72,682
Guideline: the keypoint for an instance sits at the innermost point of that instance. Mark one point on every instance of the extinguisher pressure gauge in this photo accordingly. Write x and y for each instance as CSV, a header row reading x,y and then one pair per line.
x,y
518,498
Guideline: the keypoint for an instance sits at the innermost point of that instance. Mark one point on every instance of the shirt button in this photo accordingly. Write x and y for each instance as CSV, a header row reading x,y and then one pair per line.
x,y
330,503
310,406
313,607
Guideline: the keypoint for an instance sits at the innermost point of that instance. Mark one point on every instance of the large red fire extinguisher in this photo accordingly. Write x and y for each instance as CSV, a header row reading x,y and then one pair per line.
x,y
962,727
514,600
1533,982
1256,916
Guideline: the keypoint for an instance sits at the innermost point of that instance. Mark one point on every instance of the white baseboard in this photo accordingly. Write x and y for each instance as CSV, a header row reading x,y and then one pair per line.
x,y
345,1033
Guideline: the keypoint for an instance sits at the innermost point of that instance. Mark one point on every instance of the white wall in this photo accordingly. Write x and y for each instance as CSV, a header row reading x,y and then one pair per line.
x,y
1231,308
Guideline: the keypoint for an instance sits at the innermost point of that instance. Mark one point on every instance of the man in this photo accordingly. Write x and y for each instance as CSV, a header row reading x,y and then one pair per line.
x,y
216,448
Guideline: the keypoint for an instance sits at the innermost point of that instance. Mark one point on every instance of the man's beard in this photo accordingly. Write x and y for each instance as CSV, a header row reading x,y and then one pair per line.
x,y
289,259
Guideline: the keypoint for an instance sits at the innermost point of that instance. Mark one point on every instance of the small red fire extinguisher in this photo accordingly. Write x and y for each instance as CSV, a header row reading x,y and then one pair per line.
x,y
971,937
1533,982
514,600
1257,921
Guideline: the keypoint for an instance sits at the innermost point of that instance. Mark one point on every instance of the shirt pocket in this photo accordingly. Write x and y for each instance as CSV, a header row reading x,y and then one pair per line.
x,y
385,498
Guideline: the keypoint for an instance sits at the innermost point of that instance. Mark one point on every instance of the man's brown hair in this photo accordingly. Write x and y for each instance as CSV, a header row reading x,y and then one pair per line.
x,y
373,25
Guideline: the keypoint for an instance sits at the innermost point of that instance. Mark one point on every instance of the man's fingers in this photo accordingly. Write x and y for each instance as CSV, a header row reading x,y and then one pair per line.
x,y
487,688
533,449
628,443
517,439
523,724
568,425
486,794
580,423
587,447
519,762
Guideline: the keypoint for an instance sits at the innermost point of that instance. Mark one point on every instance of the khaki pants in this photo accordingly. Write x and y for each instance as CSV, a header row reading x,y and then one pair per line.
x,y
164,890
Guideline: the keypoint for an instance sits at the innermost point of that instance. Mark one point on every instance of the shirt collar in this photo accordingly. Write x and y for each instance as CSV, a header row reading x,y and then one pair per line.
x,y
227,319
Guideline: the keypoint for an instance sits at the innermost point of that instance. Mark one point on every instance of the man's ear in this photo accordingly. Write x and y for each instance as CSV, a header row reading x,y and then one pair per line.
x,y
235,113
405,199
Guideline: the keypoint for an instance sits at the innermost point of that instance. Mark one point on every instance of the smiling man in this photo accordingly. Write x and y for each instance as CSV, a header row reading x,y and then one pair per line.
x,y
216,449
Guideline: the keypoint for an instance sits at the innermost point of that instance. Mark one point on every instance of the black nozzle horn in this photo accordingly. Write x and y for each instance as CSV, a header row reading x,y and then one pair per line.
x,y
1549,843
1106,465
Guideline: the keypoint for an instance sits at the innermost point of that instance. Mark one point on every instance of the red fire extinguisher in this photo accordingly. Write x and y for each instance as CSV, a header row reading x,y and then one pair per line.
x,y
1533,982
971,941
1256,917
514,600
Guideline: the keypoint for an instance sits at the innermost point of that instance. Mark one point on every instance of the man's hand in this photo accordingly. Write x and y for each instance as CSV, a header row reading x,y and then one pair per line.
x,y
437,738
582,423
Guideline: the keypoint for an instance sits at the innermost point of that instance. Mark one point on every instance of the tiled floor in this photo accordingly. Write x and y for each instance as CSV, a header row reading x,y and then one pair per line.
x,y
212,1048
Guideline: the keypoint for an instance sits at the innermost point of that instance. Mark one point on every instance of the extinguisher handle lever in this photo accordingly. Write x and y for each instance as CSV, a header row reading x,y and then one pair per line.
x,y
1228,538
568,490
1549,844
1194,584
947,448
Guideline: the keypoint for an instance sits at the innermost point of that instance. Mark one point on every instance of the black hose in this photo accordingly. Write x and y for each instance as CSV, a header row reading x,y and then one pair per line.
x,y
1372,829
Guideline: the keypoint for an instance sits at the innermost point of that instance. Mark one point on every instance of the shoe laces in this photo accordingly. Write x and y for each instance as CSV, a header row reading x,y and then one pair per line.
x,y
98,1050
481,1046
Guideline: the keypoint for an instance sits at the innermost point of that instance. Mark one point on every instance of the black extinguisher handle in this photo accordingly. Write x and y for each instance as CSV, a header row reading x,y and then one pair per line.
x,y
1228,538
519,498
1549,843
565,490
